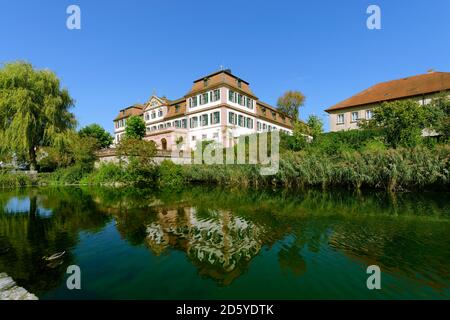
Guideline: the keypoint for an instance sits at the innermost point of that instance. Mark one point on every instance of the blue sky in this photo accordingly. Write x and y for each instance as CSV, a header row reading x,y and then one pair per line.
x,y
127,49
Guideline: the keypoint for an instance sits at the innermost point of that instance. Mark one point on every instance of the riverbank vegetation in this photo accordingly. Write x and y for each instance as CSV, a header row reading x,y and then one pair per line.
x,y
389,152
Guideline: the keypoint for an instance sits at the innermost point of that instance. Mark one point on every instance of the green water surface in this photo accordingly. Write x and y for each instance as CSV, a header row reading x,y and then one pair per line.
x,y
205,243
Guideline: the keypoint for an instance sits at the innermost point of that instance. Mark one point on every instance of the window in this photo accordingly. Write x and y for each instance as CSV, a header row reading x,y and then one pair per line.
x,y
204,136
239,83
184,123
216,95
194,122
231,118
147,117
340,118
204,120
249,103
154,128
193,138
369,114
216,117
241,121
168,124
204,98
250,123
231,95
177,123
147,129
258,124
177,108
240,99
264,126
161,126
153,115
355,116
205,82
160,113
274,115
193,102
215,135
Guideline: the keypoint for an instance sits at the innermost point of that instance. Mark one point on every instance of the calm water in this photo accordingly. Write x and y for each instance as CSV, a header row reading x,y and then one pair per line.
x,y
203,243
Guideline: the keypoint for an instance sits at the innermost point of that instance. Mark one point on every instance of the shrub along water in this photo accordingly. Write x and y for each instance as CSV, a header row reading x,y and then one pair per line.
x,y
393,169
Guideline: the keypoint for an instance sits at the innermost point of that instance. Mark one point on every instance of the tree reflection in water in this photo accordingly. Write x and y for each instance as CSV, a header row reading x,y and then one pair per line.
x,y
222,231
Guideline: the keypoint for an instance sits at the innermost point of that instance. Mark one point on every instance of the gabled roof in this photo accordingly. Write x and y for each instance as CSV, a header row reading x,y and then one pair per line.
x,y
134,110
398,89
222,77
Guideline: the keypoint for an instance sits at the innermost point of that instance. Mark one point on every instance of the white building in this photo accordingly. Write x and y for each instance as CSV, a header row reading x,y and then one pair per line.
x,y
219,107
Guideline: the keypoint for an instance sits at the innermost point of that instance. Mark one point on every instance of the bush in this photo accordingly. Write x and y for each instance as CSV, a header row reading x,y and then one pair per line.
x,y
342,141
170,175
106,173
13,180
375,167
69,175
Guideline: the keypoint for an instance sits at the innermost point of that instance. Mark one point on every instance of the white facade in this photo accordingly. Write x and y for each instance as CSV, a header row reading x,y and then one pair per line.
x,y
219,113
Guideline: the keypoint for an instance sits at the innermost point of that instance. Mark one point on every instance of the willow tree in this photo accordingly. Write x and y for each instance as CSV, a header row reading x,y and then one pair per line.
x,y
34,109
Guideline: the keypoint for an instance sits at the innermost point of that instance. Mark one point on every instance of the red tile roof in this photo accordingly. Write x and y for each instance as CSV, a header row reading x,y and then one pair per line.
x,y
135,110
397,89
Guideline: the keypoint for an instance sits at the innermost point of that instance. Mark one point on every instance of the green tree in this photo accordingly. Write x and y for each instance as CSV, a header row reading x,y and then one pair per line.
x,y
438,115
33,109
402,122
135,128
289,103
315,126
139,155
68,149
137,150
299,138
94,130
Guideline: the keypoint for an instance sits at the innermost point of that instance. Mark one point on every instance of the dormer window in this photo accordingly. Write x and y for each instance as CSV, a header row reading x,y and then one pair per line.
x,y
274,115
239,83
205,82
177,108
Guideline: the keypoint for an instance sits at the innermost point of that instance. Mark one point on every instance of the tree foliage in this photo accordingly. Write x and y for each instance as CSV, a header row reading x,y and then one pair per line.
x,y
438,115
315,126
137,150
68,149
139,154
402,122
290,102
34,109
97,132
135,128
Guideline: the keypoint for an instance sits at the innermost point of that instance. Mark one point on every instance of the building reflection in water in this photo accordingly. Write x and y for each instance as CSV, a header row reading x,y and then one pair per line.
x,y
220,245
